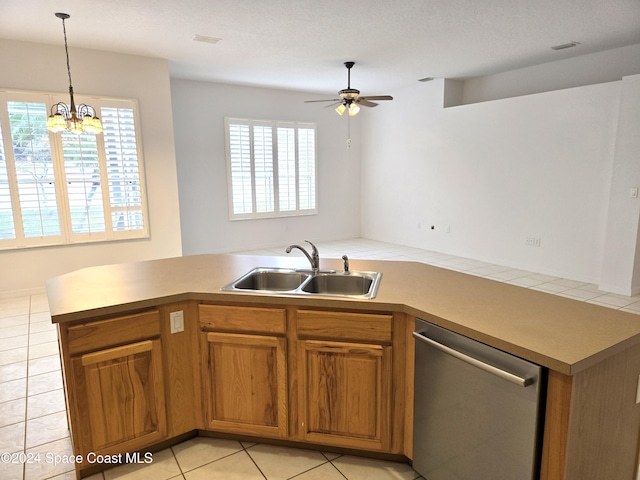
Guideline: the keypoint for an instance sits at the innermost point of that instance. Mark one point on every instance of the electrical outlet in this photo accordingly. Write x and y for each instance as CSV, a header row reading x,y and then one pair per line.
x,y
177,321
533,241
633,192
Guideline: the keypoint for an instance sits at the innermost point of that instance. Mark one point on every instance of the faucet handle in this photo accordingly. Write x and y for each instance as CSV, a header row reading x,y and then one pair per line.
x,y
315,263
313,247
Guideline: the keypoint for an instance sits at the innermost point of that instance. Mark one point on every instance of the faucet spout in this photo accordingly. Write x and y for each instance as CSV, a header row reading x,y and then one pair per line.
x,y
314,257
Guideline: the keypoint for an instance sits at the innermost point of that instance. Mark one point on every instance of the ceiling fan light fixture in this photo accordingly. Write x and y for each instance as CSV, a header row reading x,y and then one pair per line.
x,y
349,98
349,93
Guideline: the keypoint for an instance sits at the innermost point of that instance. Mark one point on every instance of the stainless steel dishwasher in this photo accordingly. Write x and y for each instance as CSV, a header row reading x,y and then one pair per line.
x,y
477,409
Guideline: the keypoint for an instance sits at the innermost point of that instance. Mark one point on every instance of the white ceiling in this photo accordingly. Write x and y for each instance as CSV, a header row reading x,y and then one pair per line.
x,y
302,44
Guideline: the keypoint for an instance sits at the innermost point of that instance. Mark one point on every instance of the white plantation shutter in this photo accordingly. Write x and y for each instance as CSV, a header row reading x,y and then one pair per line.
x,y
307,168
123,169
34,170
271,168
287,169
7,227
239,148
84,185
263,167
67,188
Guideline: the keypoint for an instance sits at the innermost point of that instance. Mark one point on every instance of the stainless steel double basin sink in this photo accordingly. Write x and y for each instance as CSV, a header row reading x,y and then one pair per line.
x,y
352,284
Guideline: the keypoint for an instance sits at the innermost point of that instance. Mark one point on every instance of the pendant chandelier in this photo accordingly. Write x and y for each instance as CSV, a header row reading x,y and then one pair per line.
x,y
82,119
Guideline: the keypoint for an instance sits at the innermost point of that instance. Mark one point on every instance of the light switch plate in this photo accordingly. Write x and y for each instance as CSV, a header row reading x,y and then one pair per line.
x,y
177,321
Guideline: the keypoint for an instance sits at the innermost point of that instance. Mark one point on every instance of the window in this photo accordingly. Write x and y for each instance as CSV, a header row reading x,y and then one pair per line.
x,y
271,168
66,188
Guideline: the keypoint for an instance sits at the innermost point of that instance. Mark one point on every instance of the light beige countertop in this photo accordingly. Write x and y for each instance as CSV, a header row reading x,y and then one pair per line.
x,y
559,333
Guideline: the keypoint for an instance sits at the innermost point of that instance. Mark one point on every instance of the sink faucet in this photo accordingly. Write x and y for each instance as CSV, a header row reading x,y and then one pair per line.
x,y
346,263
314,258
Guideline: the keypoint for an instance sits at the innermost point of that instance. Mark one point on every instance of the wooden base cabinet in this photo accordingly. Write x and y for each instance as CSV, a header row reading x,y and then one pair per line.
x,y
245,384
244,375
344,384
311,376
340,375
344,394
118,399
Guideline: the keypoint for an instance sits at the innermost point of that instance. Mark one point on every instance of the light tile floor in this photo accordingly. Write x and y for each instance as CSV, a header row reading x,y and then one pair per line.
x,y
33,417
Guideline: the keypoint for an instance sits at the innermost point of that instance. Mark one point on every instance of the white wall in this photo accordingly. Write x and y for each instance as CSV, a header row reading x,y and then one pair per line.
x,y
621,265
601,67
199,109
30,66
495,173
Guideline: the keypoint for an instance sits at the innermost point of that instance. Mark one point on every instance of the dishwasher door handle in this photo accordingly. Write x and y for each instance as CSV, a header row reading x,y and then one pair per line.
x,y
523,382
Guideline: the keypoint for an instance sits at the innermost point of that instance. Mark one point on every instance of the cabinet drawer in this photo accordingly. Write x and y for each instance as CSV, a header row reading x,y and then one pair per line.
x,y
357,327
113,331
243,319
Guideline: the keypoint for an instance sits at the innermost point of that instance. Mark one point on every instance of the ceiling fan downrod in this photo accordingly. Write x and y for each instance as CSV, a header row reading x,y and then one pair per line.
x,y
349,94
349,66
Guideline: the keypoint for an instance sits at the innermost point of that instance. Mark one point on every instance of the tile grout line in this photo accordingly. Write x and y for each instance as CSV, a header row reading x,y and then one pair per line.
x,y
254,462
339,471
26,392
327,461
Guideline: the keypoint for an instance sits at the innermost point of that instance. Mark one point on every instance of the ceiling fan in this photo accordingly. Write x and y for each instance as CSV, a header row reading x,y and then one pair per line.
x,y
350,99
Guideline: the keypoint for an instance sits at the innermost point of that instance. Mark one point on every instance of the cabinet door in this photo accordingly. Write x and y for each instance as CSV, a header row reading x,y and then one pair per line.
x,y
345,394
245,383
120,398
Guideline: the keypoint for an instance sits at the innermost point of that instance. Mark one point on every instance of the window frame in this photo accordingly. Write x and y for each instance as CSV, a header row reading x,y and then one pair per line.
x,y
60,175
275,196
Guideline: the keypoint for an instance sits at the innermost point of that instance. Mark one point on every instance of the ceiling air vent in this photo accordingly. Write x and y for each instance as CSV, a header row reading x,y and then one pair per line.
x,y
565,45
205,39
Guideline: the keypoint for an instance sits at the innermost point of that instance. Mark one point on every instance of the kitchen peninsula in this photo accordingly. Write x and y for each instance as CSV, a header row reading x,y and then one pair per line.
x,y
154,351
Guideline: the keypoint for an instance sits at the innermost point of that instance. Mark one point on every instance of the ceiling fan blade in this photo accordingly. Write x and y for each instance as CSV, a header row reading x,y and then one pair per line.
x,y
329,100
377,97
365,103
350,96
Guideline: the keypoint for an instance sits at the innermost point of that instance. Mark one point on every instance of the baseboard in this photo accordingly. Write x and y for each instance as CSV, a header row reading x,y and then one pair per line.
x,y
625,290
